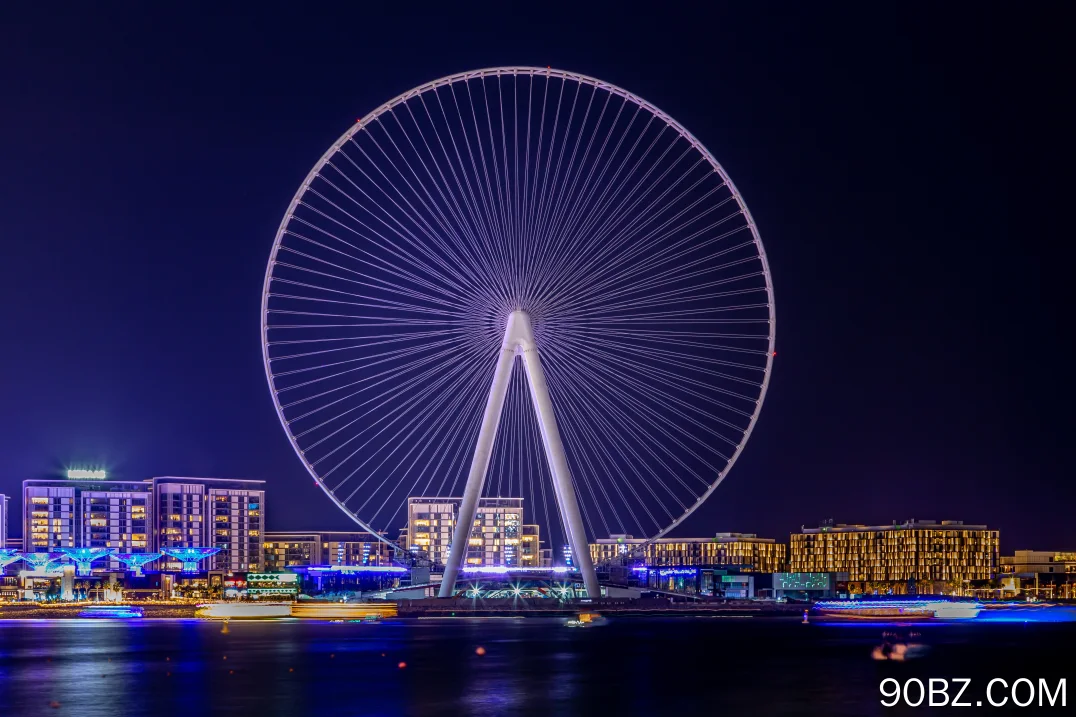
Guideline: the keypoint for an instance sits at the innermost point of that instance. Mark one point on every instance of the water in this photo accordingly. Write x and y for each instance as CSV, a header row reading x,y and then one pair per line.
x,y
675,666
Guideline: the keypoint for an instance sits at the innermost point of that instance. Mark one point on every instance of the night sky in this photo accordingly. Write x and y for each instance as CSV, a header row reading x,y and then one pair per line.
x,y
904,168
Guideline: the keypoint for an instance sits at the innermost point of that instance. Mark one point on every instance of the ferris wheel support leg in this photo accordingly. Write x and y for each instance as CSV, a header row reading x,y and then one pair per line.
x,y
461,532
558,466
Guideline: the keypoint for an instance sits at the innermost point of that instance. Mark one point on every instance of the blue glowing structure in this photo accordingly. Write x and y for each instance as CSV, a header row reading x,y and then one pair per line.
x,y
84,557
112,612
41,562
135,561
190,557
8,556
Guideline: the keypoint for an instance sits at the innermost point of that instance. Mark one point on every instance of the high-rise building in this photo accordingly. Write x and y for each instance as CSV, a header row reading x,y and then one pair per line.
x,y
87,513
947,552
215,513
745,551
353,548
496,537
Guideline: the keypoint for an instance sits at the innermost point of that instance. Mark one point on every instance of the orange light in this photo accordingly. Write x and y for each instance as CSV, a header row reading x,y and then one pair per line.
x,y
402,665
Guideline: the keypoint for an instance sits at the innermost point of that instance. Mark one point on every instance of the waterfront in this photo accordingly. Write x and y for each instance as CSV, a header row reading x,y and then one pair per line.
x,y
729,665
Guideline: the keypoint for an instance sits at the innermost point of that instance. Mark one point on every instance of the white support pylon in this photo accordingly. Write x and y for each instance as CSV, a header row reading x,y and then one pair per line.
x,y
519,339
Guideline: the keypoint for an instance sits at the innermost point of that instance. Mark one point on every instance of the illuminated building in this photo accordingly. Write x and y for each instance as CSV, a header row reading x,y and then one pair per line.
x,y
1046,574
86,513
497,537
745,551
283,550
212,512
900,554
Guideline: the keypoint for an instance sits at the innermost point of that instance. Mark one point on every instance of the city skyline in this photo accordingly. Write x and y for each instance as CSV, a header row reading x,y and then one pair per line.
x,y
898,390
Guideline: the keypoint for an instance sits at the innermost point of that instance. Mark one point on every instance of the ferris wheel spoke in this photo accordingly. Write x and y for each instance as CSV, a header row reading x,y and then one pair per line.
x,y
625,401
609,217
471,206
462,411
549,184
488,212
464,435
623,286
581,206
598,209
473,245
503,198
605,261
562,196
394,442
372,297
367,382
451,260
368,281
461,260
480,181
447,379
579,437
453,290
359,343
419,444
649,384
652,377
365,361
651,362
589,424
449,274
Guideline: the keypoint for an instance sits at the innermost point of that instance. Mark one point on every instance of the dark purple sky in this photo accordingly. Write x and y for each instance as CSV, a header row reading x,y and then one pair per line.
x,y
905,171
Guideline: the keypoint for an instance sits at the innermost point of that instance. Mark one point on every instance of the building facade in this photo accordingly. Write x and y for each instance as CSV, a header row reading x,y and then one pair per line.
x,y
499,536
215,513
946,553
145,516
745,551
87,513
1045,574
351,548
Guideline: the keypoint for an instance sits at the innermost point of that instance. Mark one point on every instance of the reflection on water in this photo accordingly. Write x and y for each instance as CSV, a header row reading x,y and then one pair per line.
x,y
98,668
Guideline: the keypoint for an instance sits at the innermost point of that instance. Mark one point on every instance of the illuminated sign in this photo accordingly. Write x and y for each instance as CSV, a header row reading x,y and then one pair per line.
x,y
79,473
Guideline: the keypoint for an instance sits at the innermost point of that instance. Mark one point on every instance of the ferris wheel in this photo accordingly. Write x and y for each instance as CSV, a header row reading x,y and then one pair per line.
x,y
519,282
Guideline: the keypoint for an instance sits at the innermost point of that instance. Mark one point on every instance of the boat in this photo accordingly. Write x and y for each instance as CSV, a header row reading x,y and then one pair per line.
x,y
909,609
113,612
584,619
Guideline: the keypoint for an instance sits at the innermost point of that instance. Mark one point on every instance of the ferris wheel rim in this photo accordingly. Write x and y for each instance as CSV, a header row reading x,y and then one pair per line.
x,y
501,71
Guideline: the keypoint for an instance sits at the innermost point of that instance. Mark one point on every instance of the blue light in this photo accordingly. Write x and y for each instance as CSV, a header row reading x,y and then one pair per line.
x,y
114,612
190,557
84,557
8,556
666,572
135,561
41,561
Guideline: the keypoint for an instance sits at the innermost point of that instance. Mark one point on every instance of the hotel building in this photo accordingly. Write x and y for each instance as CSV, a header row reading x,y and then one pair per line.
x,y
948,552
216,513
144,516
3,519
499,536
284,550
745,551
87,513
